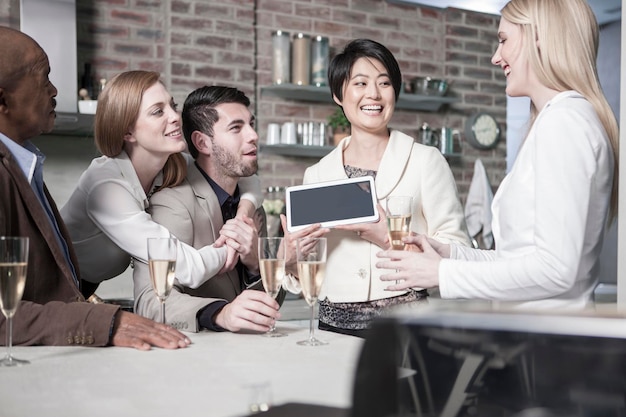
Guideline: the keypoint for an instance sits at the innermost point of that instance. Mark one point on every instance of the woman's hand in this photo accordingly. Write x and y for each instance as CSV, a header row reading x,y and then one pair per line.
x,y
232,257
290,239
375,233
244,209
415,267
443,249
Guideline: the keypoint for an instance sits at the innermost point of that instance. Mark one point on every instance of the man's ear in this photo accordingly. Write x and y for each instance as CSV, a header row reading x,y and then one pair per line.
x,y
201,142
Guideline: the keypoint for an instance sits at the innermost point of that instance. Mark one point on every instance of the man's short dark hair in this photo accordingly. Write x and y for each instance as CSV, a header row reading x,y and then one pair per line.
x,y
199,110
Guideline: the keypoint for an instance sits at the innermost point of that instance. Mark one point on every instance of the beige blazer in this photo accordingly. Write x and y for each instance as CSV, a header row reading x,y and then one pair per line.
x,y
406,168
192,213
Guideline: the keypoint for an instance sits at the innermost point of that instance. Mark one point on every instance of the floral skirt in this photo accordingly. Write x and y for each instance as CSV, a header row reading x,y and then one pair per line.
x,y
358,316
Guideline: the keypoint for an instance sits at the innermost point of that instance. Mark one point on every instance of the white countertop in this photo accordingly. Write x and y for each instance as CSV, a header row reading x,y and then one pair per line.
x,y
211,378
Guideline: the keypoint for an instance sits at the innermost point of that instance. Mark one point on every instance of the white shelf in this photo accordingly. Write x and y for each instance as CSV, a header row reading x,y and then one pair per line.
x,y
73,124
306,151
311,93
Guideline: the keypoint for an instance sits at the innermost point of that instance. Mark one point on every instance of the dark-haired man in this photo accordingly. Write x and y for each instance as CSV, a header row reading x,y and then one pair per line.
x,y
219,130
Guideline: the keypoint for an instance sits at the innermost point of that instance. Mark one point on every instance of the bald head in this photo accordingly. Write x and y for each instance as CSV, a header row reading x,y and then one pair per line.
x,y
18,51
26,94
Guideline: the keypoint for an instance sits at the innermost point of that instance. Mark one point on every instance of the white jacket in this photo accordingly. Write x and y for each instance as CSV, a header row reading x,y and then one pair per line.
x,y
549,216
107,220
406,168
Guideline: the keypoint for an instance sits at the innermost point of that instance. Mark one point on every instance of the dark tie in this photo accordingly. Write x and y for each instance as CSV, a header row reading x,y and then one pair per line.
x,y
229,209
38,180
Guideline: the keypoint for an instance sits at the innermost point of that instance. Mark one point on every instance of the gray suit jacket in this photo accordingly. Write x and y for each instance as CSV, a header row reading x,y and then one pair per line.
x,y
192,213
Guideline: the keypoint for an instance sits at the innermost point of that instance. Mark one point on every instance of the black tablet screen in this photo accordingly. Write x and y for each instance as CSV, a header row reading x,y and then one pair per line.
x,y
331,203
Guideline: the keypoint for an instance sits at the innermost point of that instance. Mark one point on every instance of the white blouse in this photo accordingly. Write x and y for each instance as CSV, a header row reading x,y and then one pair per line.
x,y
549,216
107,220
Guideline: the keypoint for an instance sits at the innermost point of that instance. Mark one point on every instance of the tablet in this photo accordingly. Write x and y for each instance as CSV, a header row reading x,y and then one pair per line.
x,y
331,203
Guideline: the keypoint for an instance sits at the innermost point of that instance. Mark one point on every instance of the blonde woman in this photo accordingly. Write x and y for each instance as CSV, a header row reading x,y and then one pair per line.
x,y
552,209
138,130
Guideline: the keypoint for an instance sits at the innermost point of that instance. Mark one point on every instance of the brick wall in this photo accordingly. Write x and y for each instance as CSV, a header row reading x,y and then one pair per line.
x,y
10,13
451,43
197,42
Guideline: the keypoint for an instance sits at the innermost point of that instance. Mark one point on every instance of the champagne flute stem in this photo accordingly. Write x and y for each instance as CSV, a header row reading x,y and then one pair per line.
x,y
9,343
311,328
398,281
163,312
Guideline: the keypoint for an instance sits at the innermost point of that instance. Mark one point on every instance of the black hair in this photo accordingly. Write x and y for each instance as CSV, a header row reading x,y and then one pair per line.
x,y
199,110
341,65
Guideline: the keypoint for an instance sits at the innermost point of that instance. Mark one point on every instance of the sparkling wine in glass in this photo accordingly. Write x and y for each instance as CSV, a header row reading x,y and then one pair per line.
x,y
311,257
399,211
272,266
162,263
13,265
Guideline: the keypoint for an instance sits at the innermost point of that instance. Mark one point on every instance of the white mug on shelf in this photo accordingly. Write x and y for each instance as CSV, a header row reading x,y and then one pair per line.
x,y
273,134
288,133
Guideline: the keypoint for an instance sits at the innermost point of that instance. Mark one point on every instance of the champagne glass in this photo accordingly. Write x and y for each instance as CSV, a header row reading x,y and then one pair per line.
x,y
272,266
162,263
13,264
399,211
311,257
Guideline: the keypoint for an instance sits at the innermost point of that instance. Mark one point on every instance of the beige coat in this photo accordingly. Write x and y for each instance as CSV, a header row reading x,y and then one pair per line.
x,y
406,168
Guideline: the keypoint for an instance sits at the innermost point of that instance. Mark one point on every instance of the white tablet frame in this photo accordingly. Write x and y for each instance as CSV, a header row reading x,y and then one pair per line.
x,y
331,184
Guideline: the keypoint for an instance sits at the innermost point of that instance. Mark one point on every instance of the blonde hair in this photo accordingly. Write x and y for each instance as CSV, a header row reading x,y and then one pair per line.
x,y
562,37
118,109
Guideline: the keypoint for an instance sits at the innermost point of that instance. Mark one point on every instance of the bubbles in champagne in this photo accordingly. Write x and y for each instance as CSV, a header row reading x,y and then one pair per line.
x,y
162,275
311,275
399,227
12,282
272,273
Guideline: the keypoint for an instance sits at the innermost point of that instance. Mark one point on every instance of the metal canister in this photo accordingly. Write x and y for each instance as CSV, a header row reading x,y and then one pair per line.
x,y
319,61
446,140
301,59
281,57
426,135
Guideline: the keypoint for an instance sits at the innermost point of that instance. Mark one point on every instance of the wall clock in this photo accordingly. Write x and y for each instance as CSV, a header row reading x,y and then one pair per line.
x,y
482,131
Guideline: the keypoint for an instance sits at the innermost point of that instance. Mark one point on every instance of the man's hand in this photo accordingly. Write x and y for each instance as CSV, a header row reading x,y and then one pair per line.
x,y
250,310
241,235
244,209
131,330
